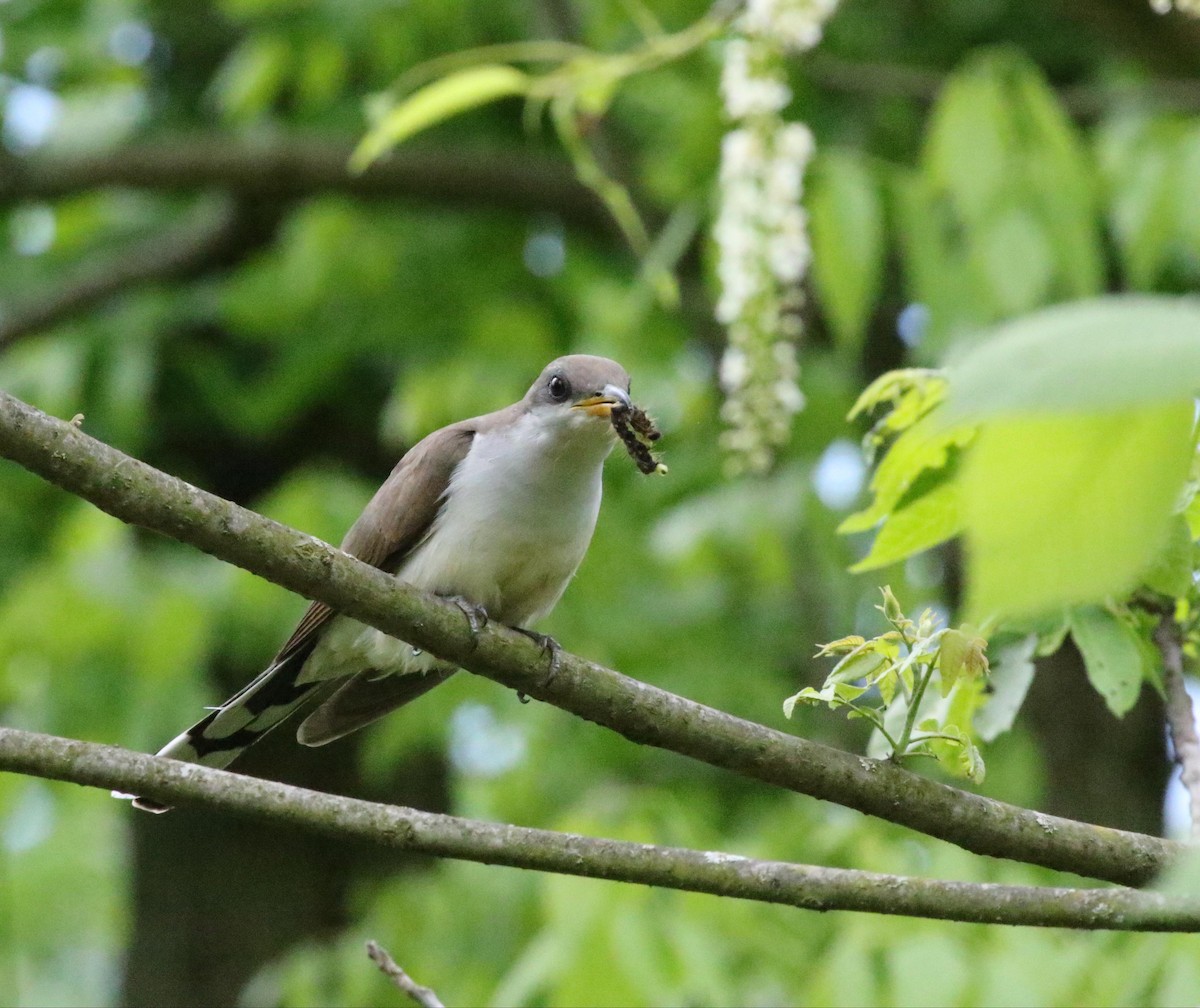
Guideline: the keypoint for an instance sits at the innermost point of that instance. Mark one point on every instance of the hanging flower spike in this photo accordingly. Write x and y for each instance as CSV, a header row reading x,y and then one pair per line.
x,y
762,230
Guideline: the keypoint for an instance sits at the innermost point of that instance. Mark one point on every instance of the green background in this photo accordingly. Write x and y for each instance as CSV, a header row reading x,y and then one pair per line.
x,y
976,161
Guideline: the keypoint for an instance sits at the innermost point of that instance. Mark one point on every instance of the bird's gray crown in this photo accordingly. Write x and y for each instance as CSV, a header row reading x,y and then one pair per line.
x,y
576,377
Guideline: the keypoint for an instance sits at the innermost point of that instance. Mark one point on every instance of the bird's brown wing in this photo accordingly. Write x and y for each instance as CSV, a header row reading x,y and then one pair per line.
x,y
395,520
364,698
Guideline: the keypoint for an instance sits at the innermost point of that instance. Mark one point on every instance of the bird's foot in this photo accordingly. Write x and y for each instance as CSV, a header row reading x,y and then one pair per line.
x,y
549,647
477,617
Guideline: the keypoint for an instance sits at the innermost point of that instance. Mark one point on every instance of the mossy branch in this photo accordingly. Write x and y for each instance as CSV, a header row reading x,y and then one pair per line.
x,y
805,886
139,494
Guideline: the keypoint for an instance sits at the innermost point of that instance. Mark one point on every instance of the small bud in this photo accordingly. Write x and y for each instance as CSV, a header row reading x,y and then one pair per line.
x,y
891,608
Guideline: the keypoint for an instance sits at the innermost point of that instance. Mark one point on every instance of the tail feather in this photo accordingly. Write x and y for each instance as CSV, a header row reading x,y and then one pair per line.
x,y
221,736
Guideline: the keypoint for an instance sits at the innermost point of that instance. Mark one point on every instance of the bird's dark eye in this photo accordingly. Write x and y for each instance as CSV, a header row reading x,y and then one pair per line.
x,y
560,388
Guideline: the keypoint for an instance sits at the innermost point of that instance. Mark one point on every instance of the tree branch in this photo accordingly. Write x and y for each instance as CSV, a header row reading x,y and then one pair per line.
x,y
426,997
902,80
141,495
1181,718
294,167
189,249
804,886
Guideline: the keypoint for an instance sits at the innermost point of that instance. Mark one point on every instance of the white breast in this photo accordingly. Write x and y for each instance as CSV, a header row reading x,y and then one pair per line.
x,y
517,519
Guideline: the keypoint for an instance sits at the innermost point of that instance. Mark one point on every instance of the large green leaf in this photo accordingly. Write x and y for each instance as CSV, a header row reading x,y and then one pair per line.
x,y
1070,508
970,139
1006,205
935,268
1056,178
846,218
1137,160
1012,259
1089,356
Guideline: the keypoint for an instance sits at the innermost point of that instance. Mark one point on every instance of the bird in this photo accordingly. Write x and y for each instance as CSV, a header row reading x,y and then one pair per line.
x,y
495,512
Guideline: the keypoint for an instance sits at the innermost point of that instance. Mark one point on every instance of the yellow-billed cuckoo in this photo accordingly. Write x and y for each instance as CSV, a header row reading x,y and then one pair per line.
x,y
496,511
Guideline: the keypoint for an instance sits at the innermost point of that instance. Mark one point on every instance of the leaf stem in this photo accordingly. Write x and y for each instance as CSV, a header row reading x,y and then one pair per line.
x,y
914,704
925,737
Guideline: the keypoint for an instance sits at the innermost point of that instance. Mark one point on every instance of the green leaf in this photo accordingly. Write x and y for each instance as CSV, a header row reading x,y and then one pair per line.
x,y
971,763
954,715
1057,179
930,519
1049,628
960,654
1011,677
1192,516
934,262
1140,161
808,695
436,102
859,665
911,392
1171,572
252,77
846,218
843,645
846,692
966,150
1069,509
951,658
1088,356
929,444
1111,654
832,694
887,683
1002,216
1013,262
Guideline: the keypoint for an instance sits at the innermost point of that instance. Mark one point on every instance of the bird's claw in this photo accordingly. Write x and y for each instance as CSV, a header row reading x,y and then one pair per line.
x,y
549,647
477,617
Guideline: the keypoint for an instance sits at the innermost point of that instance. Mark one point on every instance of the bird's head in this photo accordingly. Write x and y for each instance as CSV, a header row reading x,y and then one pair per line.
x,y
578,393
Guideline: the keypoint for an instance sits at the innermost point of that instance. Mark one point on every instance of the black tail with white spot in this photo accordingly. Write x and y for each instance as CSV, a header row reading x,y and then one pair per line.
x,y
221,736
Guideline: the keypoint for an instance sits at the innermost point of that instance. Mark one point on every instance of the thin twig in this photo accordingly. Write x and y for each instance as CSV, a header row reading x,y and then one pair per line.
x,y
1181,718
424,996
139,494
806,887
902,80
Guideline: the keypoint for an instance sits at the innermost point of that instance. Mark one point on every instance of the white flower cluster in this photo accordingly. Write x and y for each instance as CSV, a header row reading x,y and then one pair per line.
x,y
761,229
792,24
746,90
1191,7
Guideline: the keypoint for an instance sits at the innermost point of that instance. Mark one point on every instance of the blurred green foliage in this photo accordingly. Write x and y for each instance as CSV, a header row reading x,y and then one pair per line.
x,y
292,375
